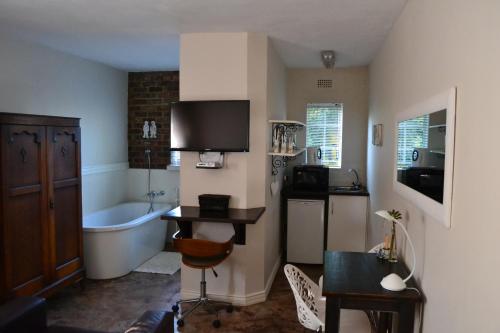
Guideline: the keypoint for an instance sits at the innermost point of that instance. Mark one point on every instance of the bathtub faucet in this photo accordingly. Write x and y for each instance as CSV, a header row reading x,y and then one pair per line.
x,y
151,196
154,194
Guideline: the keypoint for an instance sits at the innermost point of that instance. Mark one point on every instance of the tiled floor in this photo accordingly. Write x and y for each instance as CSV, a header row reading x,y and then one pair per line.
x,y
113,305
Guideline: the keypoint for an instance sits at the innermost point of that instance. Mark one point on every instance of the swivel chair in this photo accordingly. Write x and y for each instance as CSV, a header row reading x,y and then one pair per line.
x,y
202,254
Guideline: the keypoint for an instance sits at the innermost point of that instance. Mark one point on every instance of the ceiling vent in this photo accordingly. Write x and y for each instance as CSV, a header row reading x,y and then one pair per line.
x,y
324,83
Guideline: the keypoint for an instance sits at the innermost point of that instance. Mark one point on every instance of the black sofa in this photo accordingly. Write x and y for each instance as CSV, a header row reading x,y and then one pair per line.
x,y
29,315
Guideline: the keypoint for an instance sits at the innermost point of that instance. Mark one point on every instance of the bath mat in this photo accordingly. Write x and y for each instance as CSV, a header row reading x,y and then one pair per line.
x,y
162,263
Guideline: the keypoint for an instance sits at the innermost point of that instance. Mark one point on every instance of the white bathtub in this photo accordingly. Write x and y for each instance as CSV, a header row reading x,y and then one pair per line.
x,y
117,240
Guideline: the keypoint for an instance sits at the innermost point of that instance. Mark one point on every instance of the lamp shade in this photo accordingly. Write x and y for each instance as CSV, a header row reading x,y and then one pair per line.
x,y
393,281
385,215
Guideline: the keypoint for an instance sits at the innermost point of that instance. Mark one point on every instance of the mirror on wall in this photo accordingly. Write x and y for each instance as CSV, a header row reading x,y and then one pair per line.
x,y
421,154
424,155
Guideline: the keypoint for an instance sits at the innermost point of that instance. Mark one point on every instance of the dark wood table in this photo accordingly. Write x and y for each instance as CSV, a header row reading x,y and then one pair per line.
x,y
352,281
239,218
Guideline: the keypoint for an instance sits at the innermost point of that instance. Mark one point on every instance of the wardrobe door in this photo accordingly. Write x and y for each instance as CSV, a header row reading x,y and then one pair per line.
x,y
24,212
65,200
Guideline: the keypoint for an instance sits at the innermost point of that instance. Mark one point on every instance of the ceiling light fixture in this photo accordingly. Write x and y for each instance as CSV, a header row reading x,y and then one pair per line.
x,y
328,58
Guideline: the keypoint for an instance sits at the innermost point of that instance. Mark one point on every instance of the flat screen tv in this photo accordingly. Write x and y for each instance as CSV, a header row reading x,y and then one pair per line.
x,y
220,126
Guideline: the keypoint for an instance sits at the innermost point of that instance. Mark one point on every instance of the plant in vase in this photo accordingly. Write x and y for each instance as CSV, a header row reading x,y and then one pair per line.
x,y
393,251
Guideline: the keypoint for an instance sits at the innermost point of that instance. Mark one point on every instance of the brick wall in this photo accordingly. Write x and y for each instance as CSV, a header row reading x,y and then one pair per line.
x,y
149,98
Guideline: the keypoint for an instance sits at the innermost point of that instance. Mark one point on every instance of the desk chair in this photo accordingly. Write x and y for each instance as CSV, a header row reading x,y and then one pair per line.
x,y
202,254
381,322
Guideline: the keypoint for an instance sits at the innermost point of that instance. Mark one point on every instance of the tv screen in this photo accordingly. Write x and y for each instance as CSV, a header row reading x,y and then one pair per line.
x,y
221,126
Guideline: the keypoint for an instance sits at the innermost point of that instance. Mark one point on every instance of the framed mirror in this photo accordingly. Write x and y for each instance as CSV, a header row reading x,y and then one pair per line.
x,y
424,155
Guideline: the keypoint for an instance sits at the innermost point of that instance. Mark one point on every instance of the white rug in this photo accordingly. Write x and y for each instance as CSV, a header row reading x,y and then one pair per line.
x,y
162,263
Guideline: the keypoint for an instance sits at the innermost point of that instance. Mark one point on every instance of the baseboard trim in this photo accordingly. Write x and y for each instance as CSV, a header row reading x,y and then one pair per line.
x,y
240,300
102,168
272,277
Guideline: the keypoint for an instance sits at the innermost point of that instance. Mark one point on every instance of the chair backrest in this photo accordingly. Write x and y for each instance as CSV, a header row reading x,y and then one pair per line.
x,y
307,297
376,248
199,253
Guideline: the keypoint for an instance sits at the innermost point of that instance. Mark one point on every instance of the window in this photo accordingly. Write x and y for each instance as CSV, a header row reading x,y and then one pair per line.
x,y
175,158
324,130
412,133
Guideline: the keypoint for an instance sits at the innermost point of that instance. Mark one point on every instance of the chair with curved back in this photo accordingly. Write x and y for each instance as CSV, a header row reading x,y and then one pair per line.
x,y
376,318
376,248
311,305
202,254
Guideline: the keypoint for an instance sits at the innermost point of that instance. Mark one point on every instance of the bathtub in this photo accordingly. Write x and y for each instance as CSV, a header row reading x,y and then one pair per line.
x,y
117,240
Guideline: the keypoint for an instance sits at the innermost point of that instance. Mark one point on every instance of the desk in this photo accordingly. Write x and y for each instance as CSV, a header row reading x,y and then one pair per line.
x,y
352,281
239,218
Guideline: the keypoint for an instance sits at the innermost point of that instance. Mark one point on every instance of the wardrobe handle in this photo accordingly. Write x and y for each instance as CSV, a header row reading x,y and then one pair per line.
x,y
51,204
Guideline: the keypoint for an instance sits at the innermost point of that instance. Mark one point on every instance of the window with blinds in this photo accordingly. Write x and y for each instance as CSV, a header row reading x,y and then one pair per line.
x,y
412,133
324,130
175,158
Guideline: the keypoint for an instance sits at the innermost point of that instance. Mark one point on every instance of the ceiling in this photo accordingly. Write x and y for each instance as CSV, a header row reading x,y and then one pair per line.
x,y
140,35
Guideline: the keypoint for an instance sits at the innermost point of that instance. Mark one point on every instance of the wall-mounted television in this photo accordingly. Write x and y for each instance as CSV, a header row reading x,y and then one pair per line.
x,y
220,126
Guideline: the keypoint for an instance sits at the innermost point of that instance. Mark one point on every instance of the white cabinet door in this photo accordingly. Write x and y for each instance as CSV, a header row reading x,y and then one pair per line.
x,y
305,231
347,223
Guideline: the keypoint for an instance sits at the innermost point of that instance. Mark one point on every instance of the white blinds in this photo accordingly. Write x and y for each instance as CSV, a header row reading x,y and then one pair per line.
x,y
324,130
412,133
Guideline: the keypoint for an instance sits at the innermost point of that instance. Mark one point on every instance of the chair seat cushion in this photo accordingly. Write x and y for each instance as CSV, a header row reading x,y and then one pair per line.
x,y
203,262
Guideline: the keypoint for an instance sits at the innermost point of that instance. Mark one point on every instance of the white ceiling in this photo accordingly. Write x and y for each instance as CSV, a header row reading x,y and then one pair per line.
x,y
138,35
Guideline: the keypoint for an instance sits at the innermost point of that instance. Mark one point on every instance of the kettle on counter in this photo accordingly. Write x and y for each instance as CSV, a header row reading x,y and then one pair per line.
x,y
313,155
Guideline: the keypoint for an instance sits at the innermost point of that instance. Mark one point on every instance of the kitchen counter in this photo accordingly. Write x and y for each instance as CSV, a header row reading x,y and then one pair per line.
x,y
289,191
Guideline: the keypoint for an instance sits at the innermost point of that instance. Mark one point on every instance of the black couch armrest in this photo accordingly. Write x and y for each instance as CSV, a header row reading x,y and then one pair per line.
x,y
23,314
153,322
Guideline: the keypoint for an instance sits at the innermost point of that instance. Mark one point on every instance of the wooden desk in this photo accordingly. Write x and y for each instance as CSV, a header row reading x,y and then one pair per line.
x,y
239,218
352,281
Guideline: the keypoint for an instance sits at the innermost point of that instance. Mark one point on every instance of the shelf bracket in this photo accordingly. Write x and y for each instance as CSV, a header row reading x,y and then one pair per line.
x,y
280,162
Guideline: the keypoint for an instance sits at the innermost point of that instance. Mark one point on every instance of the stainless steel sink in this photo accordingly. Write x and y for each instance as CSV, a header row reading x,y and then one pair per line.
x,y
347,188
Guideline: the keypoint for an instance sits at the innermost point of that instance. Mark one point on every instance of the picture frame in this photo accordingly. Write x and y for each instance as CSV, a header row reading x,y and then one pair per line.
x,y
377,132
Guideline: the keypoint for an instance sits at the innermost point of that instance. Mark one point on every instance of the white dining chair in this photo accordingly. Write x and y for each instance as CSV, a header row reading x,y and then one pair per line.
x,y
373,316
376,248
311,305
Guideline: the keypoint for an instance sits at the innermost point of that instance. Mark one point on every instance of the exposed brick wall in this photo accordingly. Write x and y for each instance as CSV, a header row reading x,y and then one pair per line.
x,y
149,98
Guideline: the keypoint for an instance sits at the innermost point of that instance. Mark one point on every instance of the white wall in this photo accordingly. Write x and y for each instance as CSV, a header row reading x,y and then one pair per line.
x,y
435,45
276,109
38,80
350,87
231,66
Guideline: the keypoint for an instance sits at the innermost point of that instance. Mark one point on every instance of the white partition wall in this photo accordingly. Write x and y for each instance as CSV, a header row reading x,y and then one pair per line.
x,y
215,66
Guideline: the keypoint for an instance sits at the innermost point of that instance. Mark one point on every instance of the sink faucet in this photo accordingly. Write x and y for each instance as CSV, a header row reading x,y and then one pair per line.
x,y
356,183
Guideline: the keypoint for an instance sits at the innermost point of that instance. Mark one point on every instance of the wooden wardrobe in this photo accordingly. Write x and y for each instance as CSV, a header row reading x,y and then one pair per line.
x,y
40,205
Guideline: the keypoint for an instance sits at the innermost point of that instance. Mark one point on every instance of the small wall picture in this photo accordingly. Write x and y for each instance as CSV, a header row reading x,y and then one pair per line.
x,y
377,135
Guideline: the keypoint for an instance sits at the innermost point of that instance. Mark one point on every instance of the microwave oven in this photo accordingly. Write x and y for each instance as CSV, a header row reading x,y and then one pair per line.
x,y
310,178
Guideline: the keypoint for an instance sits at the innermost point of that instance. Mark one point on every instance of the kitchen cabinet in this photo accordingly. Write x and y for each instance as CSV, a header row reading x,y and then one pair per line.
x,y
347,217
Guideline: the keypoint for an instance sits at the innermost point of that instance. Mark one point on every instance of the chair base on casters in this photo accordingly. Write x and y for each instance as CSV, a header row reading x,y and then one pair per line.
x,y
203,301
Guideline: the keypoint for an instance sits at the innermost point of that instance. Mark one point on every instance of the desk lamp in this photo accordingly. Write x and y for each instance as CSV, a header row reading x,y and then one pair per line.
x,y
393,281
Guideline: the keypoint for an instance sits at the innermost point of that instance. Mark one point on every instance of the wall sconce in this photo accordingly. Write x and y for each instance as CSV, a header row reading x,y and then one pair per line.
x,y
149,130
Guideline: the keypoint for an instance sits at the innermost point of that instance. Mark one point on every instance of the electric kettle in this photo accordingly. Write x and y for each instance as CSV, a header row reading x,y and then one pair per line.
x,y
313,155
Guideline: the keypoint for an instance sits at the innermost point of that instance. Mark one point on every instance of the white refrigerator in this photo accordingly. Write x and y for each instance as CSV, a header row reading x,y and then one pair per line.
x,y
305,231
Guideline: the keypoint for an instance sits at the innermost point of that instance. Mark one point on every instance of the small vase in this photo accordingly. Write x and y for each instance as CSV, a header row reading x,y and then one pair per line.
x,y
393,252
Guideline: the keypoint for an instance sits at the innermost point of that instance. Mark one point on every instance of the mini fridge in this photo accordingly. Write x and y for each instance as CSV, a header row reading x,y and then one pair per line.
x,y
305,231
